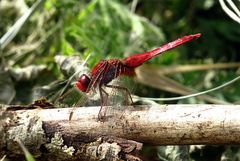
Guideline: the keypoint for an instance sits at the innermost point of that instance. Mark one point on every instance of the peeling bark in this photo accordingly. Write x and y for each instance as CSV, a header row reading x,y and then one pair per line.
x,y
48,133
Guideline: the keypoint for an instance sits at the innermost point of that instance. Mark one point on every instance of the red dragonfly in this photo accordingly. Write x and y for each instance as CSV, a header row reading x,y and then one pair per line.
x,y
107,70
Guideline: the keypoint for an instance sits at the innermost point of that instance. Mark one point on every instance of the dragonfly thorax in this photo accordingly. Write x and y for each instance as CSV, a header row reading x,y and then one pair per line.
x,y
83,83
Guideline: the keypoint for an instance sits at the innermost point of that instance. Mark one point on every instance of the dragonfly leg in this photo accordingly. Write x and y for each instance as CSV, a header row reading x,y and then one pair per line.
x,y
124,89
102,112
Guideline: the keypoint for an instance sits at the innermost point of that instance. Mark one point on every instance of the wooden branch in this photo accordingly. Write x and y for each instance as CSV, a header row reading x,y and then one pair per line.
x,y
49,130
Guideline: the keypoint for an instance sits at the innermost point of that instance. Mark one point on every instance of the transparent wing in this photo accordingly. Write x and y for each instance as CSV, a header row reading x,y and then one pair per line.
x,y
118,97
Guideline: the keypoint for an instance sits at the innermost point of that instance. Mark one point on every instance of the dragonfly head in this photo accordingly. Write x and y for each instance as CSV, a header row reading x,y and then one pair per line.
x,y
83,82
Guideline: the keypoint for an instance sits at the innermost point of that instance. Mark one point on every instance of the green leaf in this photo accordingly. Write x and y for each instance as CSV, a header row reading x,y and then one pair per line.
x,y
28,155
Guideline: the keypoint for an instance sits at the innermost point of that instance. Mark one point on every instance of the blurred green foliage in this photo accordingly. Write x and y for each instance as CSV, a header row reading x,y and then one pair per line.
x,y
115,29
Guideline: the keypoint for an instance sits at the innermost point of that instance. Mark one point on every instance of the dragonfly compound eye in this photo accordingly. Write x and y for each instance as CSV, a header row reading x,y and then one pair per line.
x,y
83,82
